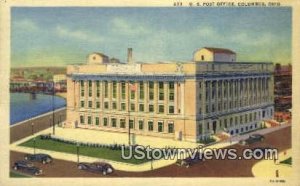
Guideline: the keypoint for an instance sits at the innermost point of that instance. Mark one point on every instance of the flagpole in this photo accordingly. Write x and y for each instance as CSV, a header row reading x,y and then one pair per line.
x,y
128,112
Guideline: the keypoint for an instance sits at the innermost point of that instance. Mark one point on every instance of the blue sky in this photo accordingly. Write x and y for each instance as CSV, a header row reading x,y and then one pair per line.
x,y
61,36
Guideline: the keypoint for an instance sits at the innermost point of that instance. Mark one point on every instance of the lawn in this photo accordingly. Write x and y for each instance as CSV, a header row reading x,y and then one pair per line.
x,y
103,153
17,175
287,161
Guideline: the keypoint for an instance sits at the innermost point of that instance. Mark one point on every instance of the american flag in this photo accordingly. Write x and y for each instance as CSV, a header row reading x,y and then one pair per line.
x,y
132,86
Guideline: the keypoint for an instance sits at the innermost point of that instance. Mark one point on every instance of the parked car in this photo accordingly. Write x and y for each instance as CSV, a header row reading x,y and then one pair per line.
x,y
253,138
43,158
187,162
101,167
27,166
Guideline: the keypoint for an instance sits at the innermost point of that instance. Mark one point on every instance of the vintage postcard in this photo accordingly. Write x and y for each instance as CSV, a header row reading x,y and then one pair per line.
x,y
178,92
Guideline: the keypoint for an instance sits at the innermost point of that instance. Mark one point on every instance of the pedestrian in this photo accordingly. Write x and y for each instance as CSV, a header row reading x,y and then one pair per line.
x,y
277,173
275,160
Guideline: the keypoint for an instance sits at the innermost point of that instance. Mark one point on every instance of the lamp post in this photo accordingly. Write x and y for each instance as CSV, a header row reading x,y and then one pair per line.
x,y
53,93
32,125
77,147
50,121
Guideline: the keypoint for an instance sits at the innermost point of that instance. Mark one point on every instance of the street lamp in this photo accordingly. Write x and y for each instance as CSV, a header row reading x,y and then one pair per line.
x,y
50,121
32,125
77,147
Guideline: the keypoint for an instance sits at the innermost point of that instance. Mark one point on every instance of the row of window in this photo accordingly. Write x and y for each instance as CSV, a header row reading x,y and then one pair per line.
x,y
140,87
113,106
122,123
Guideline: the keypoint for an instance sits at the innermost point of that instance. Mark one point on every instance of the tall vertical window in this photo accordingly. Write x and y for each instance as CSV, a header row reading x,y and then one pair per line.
x,y
97,104
89,120
81,119
82,104
151,108
150,125
170,128
161,109
123,90
132,92
123,106
141,107
113,122
105,89
141,90
171,91
114,105
161,90
132,107
171,109
160,126
114,89
131,124
200,130
96,120
90,104
122,123
97,89
82,88
105,121
141,124
151,90
90,88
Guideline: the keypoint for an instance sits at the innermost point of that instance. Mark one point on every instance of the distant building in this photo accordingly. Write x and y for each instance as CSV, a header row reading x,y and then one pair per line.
x,y
189,100
59,78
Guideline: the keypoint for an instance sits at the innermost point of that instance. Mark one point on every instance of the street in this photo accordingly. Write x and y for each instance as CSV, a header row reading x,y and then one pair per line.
x,y
280,139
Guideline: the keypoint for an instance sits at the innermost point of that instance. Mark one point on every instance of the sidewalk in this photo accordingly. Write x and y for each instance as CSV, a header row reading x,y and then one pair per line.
x,y
110,137
267,168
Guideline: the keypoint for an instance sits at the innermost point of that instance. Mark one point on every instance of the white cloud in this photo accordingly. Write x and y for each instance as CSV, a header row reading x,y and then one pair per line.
x,y
26,24
123,26
77,34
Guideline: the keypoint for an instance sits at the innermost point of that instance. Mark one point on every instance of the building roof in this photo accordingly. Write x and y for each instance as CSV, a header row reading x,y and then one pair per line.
x,y
220,50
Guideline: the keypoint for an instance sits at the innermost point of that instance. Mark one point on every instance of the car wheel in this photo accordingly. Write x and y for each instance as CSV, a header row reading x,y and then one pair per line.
x,y
80,167
187,166
104,173
36,173
26,158
15,168
44,162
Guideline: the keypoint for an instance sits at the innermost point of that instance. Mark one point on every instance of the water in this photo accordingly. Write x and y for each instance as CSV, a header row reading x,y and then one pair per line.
x,y
23,108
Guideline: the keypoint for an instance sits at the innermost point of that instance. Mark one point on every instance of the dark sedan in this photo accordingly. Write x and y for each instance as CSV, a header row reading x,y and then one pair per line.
x,y
27,166
43,158
253,138
187,162
97,167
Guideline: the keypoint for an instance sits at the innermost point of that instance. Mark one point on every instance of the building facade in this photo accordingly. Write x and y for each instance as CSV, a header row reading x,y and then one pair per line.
x,y
181,100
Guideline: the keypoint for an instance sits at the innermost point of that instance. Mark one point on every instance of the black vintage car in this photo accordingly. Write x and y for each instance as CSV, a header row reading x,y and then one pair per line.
x,y
187,162
98,167
253,138
27,166
43,158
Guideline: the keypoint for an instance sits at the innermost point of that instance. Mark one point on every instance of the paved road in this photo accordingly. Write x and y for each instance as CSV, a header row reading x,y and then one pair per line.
x,y
280,139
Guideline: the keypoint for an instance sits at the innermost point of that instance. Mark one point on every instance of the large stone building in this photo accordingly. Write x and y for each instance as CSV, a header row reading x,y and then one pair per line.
x,y
189,100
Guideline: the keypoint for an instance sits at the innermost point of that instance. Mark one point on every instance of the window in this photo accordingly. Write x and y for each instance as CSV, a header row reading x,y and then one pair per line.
x,y
161,90
105,122
123,90
96,120
97,89
106,105
161,108
113,122
151,90
150,125
131,124
141,90
151,108
132,107
89,120
82,88
90,88
141,107
141,124
82,104
200,130
231,122
81,119
225,123
114,89
160,126
171,91
122,123
171,109
241,119
90,104
123,106
132,90
105,89
97,104
114,105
